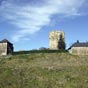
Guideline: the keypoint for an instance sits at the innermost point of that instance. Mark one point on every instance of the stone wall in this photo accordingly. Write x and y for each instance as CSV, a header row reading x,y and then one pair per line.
x,y
3,48
9,48
6,48
79,50
54,38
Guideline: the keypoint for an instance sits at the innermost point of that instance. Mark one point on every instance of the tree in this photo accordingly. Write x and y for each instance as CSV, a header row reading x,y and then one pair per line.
x,y
61,43
42,48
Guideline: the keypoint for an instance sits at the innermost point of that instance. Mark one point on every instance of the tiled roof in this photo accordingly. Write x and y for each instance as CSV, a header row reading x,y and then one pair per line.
x,y
78,44
4,41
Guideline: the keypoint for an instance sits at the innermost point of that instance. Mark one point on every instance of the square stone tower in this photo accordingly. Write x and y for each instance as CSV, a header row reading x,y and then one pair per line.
x,y
54,38
6,47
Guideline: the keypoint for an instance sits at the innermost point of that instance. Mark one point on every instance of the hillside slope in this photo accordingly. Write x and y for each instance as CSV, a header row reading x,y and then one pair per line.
x,y
44,70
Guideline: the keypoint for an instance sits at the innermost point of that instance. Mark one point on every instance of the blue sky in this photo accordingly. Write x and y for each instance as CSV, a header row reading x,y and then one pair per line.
x,y
27,23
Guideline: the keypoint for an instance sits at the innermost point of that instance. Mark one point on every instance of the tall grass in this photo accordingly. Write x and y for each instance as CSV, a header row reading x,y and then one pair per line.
x,y
44,70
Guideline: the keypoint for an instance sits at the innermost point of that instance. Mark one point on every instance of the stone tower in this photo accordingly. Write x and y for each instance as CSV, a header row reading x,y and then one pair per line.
x,y
54,38
6,47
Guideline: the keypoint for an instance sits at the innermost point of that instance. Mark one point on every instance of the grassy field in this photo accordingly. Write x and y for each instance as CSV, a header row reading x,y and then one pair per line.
x,y
44,70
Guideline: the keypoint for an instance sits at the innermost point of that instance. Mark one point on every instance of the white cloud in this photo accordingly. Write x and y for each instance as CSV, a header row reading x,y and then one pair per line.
x,y
30,19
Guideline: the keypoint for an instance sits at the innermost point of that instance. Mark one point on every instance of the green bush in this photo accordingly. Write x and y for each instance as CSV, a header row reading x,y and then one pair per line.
x,y
40,51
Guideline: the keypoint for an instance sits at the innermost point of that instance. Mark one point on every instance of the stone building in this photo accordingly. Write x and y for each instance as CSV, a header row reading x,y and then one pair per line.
x,y
6,47
54,38
79,48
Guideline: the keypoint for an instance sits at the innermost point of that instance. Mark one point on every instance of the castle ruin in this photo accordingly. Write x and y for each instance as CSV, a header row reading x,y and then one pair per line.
x,y
54,38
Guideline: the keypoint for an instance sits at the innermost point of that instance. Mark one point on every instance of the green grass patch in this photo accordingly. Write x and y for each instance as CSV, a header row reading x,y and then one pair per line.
x,y
40,51
44,70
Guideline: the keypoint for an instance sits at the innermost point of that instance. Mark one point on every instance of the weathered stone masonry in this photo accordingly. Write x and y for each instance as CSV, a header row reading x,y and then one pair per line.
x,y
54,37
6,47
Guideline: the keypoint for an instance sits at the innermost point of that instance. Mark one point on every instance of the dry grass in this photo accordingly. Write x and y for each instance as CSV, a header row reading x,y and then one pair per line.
x,y
44,70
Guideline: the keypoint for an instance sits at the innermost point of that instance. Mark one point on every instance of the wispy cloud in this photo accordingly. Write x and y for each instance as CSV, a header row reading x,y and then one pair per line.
x,y
31,17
